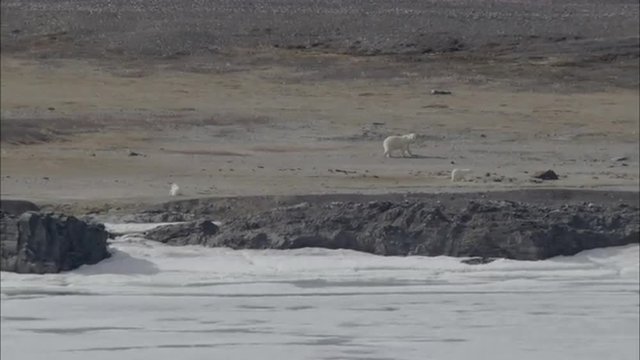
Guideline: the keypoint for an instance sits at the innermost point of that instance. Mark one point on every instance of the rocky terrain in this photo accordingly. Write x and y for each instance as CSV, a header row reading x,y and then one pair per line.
x,y
486,229
522,225
231,207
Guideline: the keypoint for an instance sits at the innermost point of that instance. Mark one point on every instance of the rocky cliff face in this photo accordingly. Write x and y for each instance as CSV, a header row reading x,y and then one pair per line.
x,y
485,229
48,243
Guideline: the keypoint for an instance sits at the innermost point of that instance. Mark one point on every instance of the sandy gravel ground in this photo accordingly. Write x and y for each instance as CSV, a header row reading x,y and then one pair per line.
x,y
295,120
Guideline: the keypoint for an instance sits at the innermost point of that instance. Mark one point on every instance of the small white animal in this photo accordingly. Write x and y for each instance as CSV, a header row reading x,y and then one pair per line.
x,y
458,174
398,142
175,189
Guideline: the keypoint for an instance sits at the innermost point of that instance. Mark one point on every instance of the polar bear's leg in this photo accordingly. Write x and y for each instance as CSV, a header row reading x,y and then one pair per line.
x,y
405,150
409,151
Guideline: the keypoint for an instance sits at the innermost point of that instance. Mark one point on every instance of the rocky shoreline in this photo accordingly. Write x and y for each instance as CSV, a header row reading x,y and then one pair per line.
x,y
521,225
485,229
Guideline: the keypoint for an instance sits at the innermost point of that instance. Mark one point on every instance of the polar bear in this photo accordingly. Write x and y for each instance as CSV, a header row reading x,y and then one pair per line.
x,y
459,174
175,190
398,142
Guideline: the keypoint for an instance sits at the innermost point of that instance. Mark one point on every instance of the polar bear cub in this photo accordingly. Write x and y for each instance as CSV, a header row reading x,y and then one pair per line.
x,y
459,174
398,142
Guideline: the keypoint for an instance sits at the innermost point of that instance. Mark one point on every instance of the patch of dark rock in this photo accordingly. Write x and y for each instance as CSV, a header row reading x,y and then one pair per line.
x,y
192,233
478,261
157,216
346,172
620,158
49,243
546,175
133,153
17,207
435,106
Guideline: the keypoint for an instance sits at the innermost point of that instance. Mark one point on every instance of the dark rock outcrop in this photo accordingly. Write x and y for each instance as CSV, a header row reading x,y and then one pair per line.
x,y
17,207
478,261
192,233
485,229
49,243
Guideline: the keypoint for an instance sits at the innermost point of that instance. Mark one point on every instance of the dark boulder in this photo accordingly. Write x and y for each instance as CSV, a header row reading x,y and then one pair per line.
x,y
49,243
546,175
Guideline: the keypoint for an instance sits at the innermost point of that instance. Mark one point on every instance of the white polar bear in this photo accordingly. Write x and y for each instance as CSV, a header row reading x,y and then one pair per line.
x,y
175,190
398,142
459,174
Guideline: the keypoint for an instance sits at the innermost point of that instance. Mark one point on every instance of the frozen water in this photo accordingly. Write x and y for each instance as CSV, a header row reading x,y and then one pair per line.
x,y
152,301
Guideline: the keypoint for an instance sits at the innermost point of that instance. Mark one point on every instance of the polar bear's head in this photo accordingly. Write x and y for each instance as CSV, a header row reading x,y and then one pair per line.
x,y
410,137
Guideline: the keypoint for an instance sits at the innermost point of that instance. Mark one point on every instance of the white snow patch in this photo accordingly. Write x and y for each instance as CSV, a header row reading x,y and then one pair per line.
x,y
139,228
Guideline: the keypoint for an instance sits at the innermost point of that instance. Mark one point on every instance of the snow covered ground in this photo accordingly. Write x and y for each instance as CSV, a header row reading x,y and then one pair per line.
x,y
151,301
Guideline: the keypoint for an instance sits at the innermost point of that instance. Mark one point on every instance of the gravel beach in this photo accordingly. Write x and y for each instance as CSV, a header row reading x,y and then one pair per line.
x,y
110,102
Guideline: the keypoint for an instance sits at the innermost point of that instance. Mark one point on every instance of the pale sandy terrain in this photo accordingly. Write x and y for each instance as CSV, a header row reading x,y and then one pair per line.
x,y
68,127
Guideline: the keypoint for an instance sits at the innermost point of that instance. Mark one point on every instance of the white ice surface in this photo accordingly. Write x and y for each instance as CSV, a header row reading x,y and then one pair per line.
x,y
151,301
